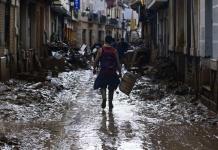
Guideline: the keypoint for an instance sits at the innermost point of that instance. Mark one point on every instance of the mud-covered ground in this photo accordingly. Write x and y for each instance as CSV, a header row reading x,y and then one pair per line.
x,y
65,114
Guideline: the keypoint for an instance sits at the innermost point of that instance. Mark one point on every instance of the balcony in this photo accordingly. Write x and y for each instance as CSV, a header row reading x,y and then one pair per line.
x,y
93,17
114,23
155,3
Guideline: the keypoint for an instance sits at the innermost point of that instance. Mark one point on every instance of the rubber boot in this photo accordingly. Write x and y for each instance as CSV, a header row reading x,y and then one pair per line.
x,y
103,93
111,94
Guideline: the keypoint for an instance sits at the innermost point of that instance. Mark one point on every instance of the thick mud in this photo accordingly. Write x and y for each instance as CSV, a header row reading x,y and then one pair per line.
x,y
65,114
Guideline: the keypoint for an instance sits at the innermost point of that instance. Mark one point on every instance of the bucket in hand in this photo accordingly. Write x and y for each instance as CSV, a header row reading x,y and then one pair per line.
x,y
127,83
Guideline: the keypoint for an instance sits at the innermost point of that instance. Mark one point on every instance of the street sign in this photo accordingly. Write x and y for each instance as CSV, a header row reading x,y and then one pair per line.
x,y
76,4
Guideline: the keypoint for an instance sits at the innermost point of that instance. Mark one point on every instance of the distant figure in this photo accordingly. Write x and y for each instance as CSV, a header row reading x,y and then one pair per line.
x,y
94,49
107,77
114,43
122,47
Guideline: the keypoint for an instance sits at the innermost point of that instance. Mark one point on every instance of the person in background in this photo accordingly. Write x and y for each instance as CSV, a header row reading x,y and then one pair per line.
x,y
122,48
114,43
107,77
95,48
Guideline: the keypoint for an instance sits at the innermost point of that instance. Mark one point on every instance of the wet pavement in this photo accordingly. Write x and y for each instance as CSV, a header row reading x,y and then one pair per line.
x,y
71,119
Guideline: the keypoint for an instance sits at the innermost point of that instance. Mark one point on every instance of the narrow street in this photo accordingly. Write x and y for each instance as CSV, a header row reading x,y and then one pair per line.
x,y
50,51
167,123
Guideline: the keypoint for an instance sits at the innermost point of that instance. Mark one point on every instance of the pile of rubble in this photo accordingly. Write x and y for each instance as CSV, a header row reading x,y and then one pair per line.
x,y
60,58
63,58
164,69
10,143
149,91
22,100
159,86
172,99
33,103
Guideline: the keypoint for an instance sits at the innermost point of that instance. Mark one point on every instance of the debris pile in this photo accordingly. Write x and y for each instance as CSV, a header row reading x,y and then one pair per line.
x,y
60,58
22,100
32,105
63,58
149,91
164,69
9,143
171,99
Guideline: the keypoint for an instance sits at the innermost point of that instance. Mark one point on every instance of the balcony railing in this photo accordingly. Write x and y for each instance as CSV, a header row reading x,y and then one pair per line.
x,y
93,17
113,23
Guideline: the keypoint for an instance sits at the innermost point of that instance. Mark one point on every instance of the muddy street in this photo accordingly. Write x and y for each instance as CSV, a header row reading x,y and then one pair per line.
x,y
72,119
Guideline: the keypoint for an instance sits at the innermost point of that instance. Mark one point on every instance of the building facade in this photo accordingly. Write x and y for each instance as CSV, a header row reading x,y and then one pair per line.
x,y
92,20
115,15
208,49
185,32
26,27
97,19
8,37
34,32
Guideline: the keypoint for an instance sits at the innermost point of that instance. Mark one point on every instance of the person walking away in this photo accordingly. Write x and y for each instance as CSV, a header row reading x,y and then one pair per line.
x,y
107,77
122,48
